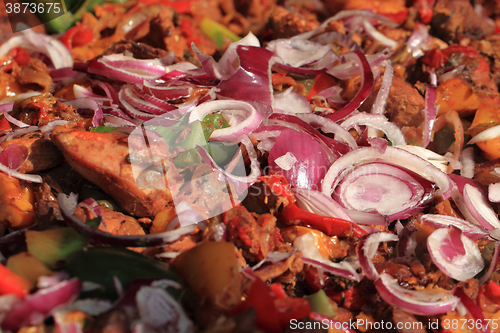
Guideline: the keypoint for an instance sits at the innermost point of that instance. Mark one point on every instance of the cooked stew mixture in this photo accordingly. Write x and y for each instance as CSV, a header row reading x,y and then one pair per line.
x,y
251,166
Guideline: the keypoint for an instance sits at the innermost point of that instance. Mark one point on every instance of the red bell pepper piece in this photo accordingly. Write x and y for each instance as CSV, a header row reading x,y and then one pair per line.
x,y
78,35
351,299
4,125
332,226
273,312
278,291
11,283
278,185
20,56
321,82
180,6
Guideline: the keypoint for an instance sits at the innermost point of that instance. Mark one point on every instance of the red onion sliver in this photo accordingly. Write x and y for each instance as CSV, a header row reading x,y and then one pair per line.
x,y
391,155
486,135
494,192
471,230
382,95
473,309
367,248
430,113
479,208
247,124
379,122
418,303
366,85
454,253
35,308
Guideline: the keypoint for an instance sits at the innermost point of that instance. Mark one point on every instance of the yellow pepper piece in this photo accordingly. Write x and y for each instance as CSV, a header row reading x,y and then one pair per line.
x,y
16,202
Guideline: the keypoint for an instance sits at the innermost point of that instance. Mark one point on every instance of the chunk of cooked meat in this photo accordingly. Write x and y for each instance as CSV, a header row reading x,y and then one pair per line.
x,y
455,19
42,154
104,159
36,76
42,109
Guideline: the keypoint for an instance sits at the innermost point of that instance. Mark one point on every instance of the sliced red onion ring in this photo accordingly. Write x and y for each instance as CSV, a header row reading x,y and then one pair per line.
x,y
479,208
252,79
419,40
329,126
430,113
407,243
385,189
13,120
486,135
140,103
68,205
378,36
35,308
385,88
316,202
366,85
469,229
307,244
454,253
493,265
379,122
333,37
167,92
247,123
17,133
367,248
43,43
391,155
310,160
473,309
418,303
90,104
298,52
47,129
127,69
468,163
132,111
22,176
82,92
14,156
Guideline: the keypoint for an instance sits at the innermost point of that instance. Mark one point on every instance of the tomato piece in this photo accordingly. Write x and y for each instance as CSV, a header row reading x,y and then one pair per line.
x,y
4,125
321,82
20,56
291,308
11,283
278,291
78,35
435,58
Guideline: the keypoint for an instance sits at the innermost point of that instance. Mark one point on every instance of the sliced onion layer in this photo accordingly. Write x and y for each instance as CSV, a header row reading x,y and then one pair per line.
x,y
418,303
385,189
379,122
471,230
310,163
35,308
367,248
391,155
454,253
479,208
245,116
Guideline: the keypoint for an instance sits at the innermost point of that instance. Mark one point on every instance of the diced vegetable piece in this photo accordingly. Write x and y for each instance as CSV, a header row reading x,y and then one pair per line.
x,y
211,270
16,202
28,266
11,283
53,245
320,303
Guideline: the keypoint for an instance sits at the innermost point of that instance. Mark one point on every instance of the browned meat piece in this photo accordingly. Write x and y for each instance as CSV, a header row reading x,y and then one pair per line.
x,y
104,159
42,109
454,20
292,264
396,270
260,198
255,238
138,50
413,326
35,76
256,12
490,46
42,154
115,223
485,172
46,206
285,24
